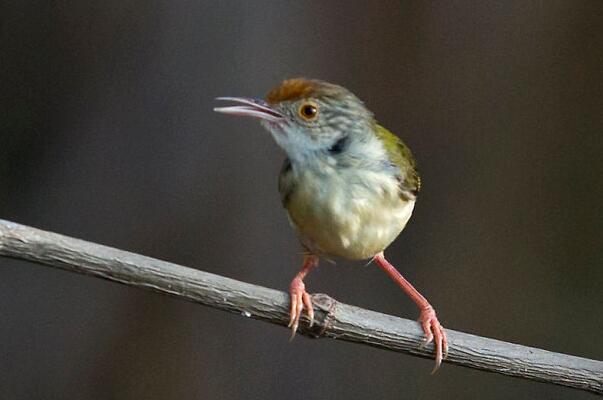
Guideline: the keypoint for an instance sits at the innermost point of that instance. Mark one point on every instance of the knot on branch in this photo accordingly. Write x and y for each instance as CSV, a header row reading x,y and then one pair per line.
x,y
324,313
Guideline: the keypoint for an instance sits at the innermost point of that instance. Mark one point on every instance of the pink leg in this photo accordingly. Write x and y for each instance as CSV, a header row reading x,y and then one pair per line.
x,y
299,296
428,320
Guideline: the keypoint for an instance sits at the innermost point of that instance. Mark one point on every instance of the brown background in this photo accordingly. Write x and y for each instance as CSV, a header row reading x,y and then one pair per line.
x,y
107,134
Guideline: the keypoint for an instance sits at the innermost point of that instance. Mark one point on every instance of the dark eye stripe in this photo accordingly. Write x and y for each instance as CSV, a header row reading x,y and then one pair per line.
x,y
339,145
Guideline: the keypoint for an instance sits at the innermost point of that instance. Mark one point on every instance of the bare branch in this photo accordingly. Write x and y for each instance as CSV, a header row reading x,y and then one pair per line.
x,y
334,319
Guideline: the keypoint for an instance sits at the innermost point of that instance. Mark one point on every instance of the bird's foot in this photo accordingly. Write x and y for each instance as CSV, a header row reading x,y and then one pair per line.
x,y
299,299
434,332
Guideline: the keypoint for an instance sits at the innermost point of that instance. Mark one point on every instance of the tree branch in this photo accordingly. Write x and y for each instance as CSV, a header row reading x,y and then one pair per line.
x,y
334,320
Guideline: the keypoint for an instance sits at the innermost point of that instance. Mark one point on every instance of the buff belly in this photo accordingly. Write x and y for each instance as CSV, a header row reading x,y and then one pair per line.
x,y
353,215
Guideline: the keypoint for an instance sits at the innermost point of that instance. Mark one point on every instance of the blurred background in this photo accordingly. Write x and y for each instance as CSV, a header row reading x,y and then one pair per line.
x,y
107,134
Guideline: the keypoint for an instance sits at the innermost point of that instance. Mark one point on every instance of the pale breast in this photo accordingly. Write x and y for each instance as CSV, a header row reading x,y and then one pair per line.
x,y
354,215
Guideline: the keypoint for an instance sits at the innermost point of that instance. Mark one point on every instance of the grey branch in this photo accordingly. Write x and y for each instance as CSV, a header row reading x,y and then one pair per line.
x,y
334,320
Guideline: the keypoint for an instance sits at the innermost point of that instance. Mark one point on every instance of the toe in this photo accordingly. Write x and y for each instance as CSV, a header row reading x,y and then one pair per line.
x,y
292,310
434,332
428,332
299,307
444,343
309,308
438,348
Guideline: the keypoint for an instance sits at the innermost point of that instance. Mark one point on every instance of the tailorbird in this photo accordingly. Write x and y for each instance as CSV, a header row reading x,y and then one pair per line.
x,y
348,184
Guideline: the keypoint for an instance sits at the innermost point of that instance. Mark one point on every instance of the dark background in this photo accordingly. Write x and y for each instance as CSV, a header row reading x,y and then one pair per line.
x,y
108,134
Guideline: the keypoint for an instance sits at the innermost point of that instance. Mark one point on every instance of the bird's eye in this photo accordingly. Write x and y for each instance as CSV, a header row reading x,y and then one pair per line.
x,y
308,111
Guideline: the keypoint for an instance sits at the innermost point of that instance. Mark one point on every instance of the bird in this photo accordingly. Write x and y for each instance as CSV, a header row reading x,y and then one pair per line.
x,y
348,184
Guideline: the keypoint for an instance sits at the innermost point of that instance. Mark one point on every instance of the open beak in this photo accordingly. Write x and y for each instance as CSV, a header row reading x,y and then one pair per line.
x,y
251,108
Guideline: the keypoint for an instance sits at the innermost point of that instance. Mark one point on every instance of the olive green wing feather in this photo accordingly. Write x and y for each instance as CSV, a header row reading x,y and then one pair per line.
x,y
400,155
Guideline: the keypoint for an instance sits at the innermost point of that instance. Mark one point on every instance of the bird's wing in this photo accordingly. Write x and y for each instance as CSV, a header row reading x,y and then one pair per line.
x,y
400,155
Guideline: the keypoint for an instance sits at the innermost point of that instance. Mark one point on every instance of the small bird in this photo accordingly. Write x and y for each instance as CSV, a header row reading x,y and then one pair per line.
x,y
348,184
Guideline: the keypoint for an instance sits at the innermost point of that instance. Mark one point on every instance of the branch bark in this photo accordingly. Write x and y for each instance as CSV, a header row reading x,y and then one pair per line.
x,y
333,320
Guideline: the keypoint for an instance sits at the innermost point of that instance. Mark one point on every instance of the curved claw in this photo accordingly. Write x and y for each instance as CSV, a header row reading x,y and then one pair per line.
x,y
299,299
434,332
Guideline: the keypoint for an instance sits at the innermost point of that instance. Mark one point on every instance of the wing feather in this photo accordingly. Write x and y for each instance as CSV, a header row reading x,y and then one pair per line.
x,y
400,155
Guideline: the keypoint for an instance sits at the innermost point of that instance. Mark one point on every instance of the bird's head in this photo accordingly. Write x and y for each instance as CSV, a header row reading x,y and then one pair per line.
x,y
308,118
